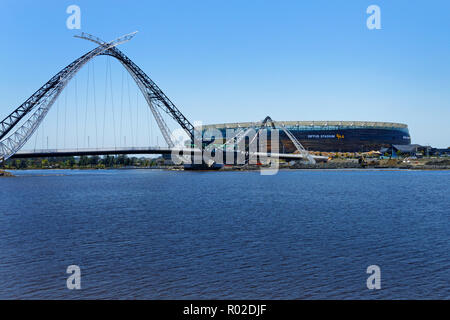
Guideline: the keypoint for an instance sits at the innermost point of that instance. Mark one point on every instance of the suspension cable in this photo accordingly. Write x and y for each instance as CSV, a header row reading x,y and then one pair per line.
x,y
87,101
43,135
130,108
137,116
57,122
149,127
76,109
36,133
104,107
65,117
112,102
95,104
121,106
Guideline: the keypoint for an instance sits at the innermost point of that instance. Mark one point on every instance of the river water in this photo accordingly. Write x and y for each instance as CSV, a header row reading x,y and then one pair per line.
x,y
151,234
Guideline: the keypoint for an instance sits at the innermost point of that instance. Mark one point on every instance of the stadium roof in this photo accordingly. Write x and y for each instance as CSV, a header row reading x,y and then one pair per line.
x,y
367,124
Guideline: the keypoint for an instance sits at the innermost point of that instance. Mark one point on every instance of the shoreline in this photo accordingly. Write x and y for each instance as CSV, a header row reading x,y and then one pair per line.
x,y
7,173
334,165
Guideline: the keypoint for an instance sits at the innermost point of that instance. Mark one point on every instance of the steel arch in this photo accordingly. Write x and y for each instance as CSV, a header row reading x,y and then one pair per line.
x,y
43,99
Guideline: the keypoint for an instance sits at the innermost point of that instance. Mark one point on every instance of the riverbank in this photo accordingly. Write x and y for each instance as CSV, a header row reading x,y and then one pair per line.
x,y
416,164
334,164
422,164
5,174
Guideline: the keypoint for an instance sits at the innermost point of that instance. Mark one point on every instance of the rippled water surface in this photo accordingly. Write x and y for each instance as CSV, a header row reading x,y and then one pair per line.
x,y
152,234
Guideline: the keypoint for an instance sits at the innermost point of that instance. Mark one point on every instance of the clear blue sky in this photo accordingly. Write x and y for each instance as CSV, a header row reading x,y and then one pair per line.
x,y
229,61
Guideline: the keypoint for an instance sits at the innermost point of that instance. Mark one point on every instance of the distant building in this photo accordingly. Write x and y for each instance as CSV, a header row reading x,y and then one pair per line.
x,y
414,150
408,150
441,152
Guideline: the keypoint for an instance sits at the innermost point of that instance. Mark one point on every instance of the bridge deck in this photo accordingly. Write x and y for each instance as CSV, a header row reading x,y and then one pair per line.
x,y
145,150
91,152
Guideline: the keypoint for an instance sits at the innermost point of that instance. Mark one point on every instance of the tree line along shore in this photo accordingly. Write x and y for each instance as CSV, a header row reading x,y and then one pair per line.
x,y
83,162
123,161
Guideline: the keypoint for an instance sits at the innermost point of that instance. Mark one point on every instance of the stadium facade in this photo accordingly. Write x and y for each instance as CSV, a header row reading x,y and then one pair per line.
x,y
332,136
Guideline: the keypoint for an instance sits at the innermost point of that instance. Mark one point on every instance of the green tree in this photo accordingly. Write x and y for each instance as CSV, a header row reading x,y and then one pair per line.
x,y
44,163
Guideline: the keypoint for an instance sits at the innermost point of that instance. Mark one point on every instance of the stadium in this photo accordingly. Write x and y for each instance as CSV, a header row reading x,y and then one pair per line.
x,y
332,136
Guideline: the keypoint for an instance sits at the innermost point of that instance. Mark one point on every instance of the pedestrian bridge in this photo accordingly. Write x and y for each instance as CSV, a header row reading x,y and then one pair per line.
x,y
23,123
48,153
